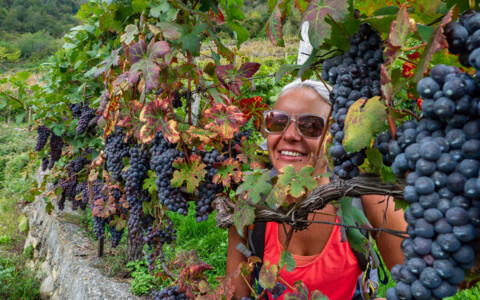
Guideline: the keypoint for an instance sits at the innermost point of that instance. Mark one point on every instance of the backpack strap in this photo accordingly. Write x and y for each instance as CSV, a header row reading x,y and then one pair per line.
x,y
256,238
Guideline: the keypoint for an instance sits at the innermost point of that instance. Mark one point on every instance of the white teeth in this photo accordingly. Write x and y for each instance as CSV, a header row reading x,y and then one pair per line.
x,y
291,153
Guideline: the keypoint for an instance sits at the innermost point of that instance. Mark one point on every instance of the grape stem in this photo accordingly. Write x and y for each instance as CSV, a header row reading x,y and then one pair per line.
x,y
249,286
286,283
27,106
414,47
407,60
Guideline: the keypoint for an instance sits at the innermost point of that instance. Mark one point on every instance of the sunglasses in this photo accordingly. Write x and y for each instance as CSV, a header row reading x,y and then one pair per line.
x,y
308,125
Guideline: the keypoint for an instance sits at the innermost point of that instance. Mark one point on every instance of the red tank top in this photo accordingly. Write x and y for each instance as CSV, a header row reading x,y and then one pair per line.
x,y
334,271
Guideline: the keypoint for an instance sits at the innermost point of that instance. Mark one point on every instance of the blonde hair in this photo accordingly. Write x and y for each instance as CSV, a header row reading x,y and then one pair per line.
x,y
318,86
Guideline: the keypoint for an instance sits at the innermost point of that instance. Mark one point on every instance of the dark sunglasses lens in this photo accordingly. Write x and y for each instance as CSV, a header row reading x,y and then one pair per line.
x,y
276,121
310,126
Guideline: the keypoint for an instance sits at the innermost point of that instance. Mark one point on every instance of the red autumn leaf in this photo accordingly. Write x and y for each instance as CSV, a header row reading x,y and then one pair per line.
x,y
190,278
154,114
144,60
436,43
103,210
229,170
253,107
216,17
224,120
232,79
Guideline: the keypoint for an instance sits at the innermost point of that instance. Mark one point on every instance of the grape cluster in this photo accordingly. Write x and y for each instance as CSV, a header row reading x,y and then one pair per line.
x,y
463,38
354,75
443,188
77,164
76,109
136,195
115,235
207,189
277,290
56,145
169,293
389,147
117,147
42,137
82,188
97,192
69,190
163,155
45,162
85,117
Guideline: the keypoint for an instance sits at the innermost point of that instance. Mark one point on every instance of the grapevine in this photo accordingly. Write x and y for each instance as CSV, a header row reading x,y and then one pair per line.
x,y
174,133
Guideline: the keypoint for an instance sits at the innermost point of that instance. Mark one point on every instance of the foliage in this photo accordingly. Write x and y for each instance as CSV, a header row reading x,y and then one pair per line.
x,y
18,282
129,60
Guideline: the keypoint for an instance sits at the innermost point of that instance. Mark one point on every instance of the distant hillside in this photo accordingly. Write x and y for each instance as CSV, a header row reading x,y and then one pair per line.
x,y
52,16
31,30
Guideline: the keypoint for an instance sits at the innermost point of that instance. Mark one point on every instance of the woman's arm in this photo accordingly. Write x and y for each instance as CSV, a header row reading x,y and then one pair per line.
x,y
234,258
380,211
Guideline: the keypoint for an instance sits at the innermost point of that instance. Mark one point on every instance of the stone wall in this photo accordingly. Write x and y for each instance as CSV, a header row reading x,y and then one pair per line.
x,y
67,258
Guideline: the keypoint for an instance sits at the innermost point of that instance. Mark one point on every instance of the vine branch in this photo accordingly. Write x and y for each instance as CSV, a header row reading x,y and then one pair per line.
x,y
296,214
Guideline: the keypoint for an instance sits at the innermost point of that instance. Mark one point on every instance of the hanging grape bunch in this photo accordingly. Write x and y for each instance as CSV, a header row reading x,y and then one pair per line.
x,y
443,186
354,74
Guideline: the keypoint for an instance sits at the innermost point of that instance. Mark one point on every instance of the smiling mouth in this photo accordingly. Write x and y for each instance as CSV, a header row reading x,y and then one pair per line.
x,y
291,153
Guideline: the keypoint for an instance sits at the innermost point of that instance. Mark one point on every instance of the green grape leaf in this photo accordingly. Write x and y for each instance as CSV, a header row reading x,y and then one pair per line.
x,y
268,275
243,215
273,28
317,295
387,174
230,169
23,223
190,173
287,261
221,48
130,32
425,32
436,43
362,121
316,14
224,120
191,42
375,157
118,223
401,204
144,60
248,153
256,183
351,215
108,63
297,183
277,196
241,34
139,5
300,292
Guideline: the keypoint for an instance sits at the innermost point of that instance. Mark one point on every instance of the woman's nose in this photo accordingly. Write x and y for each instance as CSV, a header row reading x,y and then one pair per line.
x,y
291,134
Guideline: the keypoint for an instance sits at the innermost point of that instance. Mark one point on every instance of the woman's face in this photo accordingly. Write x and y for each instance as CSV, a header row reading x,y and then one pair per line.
x,y
289,147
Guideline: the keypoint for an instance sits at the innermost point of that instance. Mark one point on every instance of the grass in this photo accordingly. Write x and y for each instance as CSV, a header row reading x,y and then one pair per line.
x,y
16,163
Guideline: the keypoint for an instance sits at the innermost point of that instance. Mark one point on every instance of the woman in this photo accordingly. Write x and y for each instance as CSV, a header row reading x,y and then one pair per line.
x,y
323,262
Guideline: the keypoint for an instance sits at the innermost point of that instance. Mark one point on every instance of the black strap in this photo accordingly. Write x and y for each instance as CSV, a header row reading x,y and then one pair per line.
x,y
256,239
